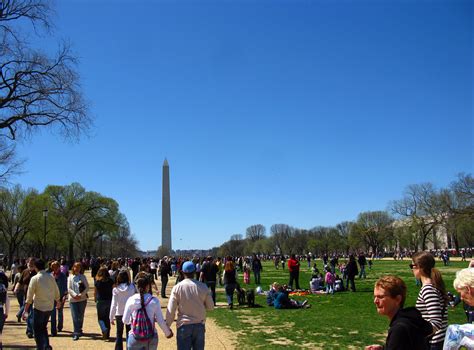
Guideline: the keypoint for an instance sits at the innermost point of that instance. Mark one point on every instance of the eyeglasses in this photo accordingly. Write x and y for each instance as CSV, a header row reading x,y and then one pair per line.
x,y
412,266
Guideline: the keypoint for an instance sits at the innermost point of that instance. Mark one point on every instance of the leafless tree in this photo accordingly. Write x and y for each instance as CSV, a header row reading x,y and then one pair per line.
x,y
37,90
420,205
255,232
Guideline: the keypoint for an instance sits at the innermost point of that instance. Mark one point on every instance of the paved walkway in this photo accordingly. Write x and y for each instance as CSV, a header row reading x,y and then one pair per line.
x,y
14,333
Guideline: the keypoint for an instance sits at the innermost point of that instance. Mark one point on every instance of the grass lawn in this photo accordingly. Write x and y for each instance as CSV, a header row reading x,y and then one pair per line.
x,y
344,320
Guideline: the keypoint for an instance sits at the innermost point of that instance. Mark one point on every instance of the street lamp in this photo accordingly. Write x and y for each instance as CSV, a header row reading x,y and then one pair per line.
x,y
45,215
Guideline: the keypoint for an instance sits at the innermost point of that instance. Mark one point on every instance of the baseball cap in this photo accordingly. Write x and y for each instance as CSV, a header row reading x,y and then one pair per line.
x,y
188,267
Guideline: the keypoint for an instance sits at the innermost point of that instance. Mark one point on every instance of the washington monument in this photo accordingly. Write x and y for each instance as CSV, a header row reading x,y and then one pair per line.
x,y
166,211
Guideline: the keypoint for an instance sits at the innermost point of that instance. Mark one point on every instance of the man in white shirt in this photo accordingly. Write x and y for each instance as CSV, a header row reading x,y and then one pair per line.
x,y
191,298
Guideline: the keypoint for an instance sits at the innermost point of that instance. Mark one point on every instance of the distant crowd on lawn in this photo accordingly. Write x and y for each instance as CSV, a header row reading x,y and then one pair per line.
x,y
123,293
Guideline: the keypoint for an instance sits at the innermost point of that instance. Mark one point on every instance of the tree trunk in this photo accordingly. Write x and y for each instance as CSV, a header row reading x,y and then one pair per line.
x,y
71,249
423,243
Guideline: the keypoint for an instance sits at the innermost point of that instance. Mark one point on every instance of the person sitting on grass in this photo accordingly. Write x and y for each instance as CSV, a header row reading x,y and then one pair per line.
x,y
408,329
274,288
314,271
282,301
317,283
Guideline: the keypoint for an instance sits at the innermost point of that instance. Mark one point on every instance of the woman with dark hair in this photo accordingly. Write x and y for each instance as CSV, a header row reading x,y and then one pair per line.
x,y
351,271
432,299
103,285
144,300
77,288
120,295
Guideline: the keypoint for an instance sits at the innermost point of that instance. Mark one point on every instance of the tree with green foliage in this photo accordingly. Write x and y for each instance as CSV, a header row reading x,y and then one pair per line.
x,y
17,217
77,209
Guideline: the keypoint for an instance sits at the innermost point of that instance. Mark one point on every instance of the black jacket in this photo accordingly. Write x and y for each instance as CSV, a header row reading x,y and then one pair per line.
x,y
408,330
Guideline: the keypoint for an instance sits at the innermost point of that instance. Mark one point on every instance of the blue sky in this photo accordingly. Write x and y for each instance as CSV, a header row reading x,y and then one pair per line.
x,y
298,112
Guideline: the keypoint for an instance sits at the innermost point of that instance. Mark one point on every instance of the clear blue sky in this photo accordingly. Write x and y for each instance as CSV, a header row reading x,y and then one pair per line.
x,y
298,112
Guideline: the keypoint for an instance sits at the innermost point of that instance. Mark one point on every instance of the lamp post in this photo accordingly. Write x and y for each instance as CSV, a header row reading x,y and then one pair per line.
x,y
45,215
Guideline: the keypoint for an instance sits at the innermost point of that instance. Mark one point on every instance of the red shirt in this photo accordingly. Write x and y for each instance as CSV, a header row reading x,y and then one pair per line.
x,y
293,265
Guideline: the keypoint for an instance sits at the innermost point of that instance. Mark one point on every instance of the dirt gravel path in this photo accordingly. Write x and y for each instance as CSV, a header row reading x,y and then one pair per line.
x,y
14,333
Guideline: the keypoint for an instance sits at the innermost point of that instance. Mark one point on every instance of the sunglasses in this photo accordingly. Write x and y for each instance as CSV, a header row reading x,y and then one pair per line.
x,y
412,266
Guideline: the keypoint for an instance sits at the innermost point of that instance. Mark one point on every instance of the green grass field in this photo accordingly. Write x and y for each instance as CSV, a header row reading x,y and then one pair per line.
x,y
344,320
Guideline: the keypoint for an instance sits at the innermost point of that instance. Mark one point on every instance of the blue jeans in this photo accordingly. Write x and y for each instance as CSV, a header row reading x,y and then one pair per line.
x,y
229,292
103,311
40,325
133,344
60,318
362,271
77,312
191,336
30,320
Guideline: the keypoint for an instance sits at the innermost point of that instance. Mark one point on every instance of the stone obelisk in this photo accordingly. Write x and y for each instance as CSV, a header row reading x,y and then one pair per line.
x,y
166,211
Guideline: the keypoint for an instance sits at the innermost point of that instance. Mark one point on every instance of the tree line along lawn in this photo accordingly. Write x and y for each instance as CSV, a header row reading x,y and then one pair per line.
x,y
344,320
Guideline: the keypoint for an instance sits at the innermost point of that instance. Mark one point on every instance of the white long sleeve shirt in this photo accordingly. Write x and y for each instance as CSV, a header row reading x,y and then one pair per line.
x,y
153,310
120,295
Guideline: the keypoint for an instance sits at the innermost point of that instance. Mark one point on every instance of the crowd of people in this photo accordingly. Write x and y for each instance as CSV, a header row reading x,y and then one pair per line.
x,y
121,299
123,293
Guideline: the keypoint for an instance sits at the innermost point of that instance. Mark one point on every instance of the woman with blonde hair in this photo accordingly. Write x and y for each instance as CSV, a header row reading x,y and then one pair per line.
x,y
77,288
432,298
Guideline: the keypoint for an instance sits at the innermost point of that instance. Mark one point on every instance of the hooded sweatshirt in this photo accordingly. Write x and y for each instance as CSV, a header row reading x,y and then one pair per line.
x,y
120,295
408,330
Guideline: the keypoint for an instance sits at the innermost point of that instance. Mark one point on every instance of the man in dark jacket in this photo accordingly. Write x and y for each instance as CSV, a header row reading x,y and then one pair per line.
x,y
256,268
407,330
165,271
208,275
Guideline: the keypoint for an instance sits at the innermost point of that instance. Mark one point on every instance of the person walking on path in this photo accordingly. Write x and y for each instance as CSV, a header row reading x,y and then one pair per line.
x,y
103,286
57,317
256,268
408,330
191,299
220,270
4,308
78,287
120,295
294,268
144,300
230,282
25,279
208,275
43,292
164,269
